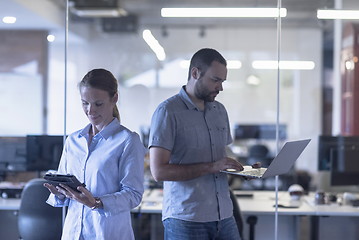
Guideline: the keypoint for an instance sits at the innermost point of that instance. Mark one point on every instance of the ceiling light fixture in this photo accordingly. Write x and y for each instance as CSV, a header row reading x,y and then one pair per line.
x,y
231,64
224,12
154,45
234,64
9,20
117,12
253,80
337,14
288,65
50,38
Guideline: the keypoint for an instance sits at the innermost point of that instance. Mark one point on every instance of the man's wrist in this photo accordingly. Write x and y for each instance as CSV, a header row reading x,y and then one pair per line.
x,y
213,168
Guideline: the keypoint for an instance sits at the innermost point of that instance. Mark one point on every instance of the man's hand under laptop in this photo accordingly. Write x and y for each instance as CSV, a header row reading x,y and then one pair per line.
x,y
227,163
256,165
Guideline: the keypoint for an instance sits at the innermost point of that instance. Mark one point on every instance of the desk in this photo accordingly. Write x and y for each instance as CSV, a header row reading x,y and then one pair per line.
x,y
331,209
331,222
327,219
151,203
8,218
261,202
261,205
10,204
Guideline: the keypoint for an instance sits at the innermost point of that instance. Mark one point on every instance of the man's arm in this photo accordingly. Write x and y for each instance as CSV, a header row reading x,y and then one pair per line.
x,y
162,170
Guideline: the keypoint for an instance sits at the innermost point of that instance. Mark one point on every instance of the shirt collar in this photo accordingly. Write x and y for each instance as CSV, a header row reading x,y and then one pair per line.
x,y
190,105
186,99
106,132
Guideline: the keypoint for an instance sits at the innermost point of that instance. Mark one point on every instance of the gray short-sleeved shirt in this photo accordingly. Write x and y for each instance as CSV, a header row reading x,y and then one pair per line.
x,y
193,136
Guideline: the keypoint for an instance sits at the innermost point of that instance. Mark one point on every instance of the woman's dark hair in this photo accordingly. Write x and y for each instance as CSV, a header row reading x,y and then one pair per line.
x,y
203,59
103,80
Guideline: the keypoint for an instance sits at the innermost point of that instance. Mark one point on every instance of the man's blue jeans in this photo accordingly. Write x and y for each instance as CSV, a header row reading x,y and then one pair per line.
x,y
225,229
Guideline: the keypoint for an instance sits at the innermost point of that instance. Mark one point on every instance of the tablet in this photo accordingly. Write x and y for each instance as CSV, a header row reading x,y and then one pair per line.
x,y
67,179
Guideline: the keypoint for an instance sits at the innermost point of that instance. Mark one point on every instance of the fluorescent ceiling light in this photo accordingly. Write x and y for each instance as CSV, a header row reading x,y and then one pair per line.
x,y
154,44
231,64
253,80
50,38
223,12
117,12
9,19
234,64
338,14
294,65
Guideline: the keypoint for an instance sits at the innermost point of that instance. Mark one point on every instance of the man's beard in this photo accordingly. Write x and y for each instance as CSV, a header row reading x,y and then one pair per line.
x,y
202,93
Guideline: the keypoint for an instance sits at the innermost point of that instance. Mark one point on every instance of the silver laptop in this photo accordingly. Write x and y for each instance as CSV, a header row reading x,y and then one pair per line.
x,y
281,164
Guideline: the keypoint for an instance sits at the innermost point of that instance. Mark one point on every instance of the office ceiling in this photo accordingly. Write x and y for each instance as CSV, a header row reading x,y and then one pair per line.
x,y
50,15
301,13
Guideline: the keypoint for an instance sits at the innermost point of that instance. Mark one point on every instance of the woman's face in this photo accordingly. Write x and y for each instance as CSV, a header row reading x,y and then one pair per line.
x,y
98,106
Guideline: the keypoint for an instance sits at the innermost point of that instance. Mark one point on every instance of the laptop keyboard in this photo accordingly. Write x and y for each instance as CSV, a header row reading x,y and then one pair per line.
x,y
255,172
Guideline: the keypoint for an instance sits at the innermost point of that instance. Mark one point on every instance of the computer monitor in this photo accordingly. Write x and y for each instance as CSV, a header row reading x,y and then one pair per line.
x,y
12,154
269,131
326,144
260,131
344,166
244,132
43,152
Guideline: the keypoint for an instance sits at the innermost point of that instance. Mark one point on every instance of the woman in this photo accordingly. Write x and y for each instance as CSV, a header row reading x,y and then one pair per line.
x,y
108,159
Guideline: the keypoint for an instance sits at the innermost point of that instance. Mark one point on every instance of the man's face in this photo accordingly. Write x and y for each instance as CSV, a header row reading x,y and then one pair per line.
x,y
210,84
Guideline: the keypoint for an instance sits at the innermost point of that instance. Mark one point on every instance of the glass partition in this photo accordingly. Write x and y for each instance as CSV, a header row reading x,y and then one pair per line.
x,y
305,95
32,66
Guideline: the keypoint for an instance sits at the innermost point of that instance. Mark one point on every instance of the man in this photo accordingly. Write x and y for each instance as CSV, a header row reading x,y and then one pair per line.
x,y
188,136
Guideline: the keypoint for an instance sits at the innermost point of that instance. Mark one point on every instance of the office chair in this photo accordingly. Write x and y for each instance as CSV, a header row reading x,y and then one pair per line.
x,y
37,220
252,221
258,153
237,213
